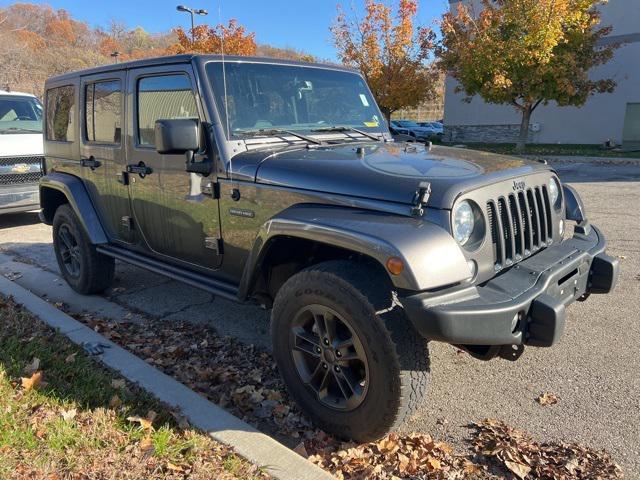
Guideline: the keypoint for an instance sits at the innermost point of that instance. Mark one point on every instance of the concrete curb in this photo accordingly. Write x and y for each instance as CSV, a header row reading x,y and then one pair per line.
x,y
260,449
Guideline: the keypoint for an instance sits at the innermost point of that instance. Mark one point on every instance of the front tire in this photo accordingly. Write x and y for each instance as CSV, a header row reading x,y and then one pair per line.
x,y
83,268
357,373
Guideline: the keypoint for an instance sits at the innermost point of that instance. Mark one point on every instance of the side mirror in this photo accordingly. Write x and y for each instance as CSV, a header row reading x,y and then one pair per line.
x,y
177,136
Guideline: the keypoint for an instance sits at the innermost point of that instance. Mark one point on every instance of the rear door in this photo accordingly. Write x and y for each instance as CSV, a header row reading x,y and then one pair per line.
x,y
102,150
174,210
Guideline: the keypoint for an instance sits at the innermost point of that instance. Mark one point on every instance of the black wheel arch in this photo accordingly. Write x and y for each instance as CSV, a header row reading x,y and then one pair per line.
x,y
57,189
284,256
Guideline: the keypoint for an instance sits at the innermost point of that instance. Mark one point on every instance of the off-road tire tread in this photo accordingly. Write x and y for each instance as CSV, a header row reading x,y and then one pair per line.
x,y
98,269
407,350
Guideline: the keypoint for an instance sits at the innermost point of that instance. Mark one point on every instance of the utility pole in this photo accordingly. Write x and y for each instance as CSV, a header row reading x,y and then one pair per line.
x,y
115,56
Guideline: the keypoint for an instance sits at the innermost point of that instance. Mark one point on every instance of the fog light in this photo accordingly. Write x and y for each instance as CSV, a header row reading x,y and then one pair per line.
x,y
473,268
561,227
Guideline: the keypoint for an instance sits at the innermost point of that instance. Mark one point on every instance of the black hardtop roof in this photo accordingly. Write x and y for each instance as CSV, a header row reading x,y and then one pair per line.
x,y
188,58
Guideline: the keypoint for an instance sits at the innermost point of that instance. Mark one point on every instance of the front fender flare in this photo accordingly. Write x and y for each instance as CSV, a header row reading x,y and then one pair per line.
x,y
78,197
431,256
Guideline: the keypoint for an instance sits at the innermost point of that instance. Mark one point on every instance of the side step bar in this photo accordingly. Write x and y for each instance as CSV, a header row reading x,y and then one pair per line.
x,y
194,279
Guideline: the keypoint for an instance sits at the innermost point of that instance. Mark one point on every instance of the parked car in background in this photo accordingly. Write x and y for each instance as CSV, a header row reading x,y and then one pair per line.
x,y
400,134
21,151
437,128
412,128
397,129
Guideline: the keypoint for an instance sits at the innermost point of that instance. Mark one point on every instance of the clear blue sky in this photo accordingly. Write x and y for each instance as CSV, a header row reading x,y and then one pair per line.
x,y
302,24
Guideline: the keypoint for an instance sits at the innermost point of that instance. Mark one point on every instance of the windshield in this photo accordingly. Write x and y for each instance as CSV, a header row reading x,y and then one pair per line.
x,y
268,97
20,114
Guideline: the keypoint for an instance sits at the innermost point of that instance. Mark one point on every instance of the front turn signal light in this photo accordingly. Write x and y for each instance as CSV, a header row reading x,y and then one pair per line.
x,y
395,265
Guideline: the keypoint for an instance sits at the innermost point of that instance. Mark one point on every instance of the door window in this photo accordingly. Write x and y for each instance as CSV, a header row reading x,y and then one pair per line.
x,y
103,112
60,113
163,97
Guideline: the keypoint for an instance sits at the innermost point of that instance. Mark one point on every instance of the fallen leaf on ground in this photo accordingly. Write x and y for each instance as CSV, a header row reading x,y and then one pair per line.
x,y
146,445
300,450
175,468
32,382
118,384
144,423
71,358
547,398
33,367
521,470
115,402
69,415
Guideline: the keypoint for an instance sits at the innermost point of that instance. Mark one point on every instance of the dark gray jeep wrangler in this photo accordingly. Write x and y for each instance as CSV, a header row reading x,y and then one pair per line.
x,y
279,183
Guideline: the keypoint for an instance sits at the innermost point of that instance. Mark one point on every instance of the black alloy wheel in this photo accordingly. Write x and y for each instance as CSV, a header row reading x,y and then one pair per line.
x,y
329,357
69,251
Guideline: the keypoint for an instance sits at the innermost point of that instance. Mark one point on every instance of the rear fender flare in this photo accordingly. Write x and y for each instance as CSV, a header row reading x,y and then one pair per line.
x,y
78,198
431,256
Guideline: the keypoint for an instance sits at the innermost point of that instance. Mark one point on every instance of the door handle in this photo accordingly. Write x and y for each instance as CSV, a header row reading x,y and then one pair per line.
x,y
90,162
141,169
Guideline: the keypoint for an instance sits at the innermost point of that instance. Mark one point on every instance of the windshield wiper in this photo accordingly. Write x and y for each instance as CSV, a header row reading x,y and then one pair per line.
x,y
342,128
277,131
19,130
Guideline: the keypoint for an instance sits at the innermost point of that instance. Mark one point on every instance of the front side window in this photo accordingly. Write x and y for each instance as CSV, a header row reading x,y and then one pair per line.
x,y
163,97
103,112
291,97
61,113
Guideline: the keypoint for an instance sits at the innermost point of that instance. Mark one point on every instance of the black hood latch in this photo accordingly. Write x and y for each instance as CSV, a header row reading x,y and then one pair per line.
x,y
421,198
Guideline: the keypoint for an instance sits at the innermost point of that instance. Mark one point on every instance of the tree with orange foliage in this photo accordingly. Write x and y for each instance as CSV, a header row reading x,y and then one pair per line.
x,y
205,39
390,51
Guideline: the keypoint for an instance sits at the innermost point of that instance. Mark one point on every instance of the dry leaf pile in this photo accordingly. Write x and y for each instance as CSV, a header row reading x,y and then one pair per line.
x,y
525,458
414,456
244,380
239,377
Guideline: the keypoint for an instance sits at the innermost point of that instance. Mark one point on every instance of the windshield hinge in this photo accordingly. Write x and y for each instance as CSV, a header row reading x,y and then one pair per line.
x,y
211,189
421,198
215,244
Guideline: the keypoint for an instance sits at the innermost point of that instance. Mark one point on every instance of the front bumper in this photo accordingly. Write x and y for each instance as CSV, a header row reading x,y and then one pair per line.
x,y
19,198
525,305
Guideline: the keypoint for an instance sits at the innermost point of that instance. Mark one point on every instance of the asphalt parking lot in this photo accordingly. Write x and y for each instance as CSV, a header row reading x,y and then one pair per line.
x,y
594,370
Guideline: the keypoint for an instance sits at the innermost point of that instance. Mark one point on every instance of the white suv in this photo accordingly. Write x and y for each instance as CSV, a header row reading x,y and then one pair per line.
x,y
21,151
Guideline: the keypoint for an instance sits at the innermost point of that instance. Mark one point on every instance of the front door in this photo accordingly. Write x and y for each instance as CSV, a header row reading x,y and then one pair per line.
x,y
173,210
102,150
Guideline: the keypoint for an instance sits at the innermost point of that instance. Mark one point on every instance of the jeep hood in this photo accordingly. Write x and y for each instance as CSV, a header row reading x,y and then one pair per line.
x,y
388,172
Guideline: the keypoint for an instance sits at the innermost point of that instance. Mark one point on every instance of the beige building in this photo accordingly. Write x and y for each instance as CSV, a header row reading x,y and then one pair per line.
x,y
614,116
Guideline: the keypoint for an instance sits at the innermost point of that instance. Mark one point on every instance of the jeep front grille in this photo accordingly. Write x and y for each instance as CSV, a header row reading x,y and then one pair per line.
x,y
20,170
520,224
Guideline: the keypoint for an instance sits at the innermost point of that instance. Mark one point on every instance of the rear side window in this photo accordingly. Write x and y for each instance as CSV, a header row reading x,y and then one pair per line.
x,y
61,113
103,112
163,97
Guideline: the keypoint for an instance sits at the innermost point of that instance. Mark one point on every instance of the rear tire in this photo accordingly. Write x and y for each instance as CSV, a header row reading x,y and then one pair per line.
x,y
83,268
393,372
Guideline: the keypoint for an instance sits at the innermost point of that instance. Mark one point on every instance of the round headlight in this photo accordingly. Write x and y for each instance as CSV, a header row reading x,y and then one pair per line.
x,y
554,192
463,222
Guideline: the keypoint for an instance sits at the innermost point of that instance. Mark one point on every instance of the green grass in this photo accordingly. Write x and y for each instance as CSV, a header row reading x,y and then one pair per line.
x,y
94,440
551,149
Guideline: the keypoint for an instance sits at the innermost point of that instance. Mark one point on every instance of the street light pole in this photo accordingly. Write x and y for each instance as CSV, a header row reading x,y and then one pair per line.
x,y
192,12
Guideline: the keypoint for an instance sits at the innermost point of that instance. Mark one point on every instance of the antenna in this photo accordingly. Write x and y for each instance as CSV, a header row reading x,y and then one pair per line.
x,y
224,84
